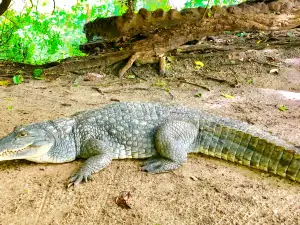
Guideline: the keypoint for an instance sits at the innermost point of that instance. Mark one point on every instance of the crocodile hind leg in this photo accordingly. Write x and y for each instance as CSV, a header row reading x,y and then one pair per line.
x,y
173,140
99,156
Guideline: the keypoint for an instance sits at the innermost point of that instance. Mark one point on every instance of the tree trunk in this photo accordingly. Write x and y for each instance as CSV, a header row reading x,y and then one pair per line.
x,y
4,6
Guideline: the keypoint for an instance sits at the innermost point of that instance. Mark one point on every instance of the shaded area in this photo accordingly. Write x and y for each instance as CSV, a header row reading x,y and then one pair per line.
x,y
154,45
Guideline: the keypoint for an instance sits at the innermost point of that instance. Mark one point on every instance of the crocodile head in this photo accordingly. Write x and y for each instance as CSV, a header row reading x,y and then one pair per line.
x,y
26,142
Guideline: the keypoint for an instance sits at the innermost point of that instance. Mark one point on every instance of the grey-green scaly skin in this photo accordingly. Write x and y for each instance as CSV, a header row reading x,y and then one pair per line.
x,y
163,133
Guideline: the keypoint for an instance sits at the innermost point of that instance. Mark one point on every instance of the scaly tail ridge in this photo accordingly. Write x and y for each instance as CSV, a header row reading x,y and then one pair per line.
x,y
244,144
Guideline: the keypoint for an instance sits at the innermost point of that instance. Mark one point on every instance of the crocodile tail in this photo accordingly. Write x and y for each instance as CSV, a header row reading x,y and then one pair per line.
x,y
244,144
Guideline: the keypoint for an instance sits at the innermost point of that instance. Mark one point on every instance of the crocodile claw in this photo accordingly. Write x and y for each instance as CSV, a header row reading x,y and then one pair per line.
x,y
79,177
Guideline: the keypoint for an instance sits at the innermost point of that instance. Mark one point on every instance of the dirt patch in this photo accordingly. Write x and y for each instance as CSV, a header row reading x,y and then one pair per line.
x,y
204,190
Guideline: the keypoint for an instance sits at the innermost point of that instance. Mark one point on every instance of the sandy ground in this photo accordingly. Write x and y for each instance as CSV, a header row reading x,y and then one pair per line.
x,y
203,191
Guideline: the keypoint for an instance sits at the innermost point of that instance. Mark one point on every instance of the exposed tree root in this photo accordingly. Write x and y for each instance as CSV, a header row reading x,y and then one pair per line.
x,y
129,64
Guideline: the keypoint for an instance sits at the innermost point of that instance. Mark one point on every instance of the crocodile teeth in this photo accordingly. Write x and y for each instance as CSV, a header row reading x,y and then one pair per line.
x,y
12,152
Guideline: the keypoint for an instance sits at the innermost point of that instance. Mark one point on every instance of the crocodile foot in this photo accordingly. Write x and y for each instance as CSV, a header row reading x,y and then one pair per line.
x,y
159,165
80,176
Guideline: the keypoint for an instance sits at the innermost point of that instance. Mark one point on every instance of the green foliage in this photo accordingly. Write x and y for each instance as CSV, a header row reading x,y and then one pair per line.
x,y
209,3
282,107
198,94
18,79
153,5
37,74
37,38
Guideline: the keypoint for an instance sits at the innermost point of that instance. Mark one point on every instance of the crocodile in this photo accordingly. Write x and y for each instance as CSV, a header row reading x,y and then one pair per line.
x,y
162,133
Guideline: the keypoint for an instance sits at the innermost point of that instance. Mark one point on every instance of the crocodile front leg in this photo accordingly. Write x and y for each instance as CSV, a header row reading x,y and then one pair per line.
x,y
99,156
174,140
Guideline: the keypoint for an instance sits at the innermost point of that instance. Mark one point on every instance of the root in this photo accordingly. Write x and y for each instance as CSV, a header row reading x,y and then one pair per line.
x,y
129,64
143,57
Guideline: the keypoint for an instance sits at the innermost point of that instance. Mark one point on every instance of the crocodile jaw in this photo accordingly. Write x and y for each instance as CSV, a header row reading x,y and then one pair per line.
x,y
27,152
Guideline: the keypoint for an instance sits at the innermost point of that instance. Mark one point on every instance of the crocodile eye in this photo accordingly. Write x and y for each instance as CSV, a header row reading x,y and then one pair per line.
x,y
22,133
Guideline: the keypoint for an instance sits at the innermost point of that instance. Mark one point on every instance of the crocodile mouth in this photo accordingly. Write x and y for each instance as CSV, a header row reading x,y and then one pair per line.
x,y
8,153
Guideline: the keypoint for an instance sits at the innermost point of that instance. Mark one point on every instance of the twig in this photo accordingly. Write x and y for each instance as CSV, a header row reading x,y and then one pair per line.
x,y
204,14
53,7
264,63
98,90
115,100
201,47
195,84
119,90
6,76
31,3
76,73
216,79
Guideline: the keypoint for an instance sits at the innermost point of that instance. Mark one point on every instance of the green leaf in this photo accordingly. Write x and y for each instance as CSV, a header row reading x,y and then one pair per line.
x,y
198,95
242,34
171,58
199,63
37,74
10,107
290,34
168,66
160,83
250,81
282,107
227,96
131,76
18,79
76,83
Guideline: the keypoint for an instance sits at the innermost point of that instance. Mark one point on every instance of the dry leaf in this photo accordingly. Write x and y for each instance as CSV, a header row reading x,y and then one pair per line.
x,y
123,198
4,82
194,178
274,71
92,76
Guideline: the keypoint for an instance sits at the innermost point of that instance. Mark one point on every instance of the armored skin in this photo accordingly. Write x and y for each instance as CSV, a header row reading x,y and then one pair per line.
x,y
161,132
